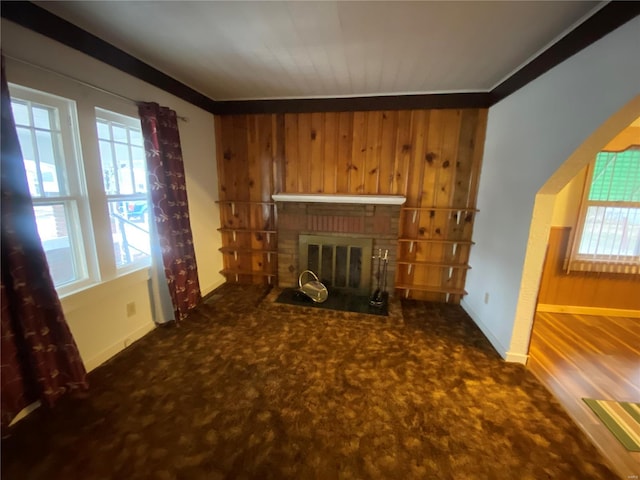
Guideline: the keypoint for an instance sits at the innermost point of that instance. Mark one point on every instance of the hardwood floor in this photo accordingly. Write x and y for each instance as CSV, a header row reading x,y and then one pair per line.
x,y
578,356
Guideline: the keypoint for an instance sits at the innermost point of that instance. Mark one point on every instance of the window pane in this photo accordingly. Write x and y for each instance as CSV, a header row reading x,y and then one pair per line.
x,y
26,145
138,157
136,137
53,228
124,168
119,133
44,141
41,118
616,176
139,162
30,166
108,174
130,231
103,130
611,231
140,177
20,113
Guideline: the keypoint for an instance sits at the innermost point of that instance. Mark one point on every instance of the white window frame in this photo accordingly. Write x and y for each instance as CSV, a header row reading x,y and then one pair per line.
x,y
134,124
618,264
75,199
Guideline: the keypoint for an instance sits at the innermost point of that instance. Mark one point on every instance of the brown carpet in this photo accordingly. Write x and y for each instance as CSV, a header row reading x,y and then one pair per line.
x,y
248,388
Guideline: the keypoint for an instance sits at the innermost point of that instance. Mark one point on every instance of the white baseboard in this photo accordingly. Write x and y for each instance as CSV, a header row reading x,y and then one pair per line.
x,y
579,310
117,347
502,351
516,358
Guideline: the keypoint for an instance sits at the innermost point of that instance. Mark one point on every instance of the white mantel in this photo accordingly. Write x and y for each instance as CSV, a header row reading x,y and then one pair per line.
x,y
337,198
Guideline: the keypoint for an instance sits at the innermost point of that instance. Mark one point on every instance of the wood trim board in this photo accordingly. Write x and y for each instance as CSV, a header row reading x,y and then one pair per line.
x,y
578,310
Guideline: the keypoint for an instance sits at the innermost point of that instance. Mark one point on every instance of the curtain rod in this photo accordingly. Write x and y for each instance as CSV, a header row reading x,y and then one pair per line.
x,y
82,82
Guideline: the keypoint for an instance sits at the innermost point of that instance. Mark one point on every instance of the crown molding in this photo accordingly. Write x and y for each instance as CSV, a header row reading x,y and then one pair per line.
x,y
600,24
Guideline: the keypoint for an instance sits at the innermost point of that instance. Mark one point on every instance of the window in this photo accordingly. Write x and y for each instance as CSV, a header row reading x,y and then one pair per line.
x,y
46,131
608,237
124,176
91,231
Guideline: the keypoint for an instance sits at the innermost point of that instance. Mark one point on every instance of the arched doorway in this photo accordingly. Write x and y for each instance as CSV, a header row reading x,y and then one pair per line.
x,y
582,355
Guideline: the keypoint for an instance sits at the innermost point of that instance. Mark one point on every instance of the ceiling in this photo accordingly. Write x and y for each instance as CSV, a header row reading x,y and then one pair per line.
x,y
241,50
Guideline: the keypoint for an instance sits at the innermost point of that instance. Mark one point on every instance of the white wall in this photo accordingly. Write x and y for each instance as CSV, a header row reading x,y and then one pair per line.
x,y
530,135
567,202
97,317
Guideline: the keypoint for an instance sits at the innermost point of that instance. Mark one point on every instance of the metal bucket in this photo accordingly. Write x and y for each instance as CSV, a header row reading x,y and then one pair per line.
x,y
314,289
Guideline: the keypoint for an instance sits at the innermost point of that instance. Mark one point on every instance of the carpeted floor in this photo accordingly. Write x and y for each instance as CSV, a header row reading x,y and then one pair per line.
x,y
248,388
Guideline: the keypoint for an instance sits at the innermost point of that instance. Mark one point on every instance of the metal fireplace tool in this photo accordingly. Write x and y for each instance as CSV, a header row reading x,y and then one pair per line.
x,y
314,289
380,295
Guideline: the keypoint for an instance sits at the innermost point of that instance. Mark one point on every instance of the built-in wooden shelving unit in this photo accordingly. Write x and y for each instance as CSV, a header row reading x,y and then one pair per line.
x,y
246,250
436,240
431,288
433,250
432,264
249,241
234,274
439,209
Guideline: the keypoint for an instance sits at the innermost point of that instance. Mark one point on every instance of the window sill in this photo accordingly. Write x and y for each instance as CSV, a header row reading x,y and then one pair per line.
x,y
609,268
88,295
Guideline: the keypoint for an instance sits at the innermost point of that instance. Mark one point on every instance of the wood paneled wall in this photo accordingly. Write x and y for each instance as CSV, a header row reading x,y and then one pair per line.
x,y
432,157
584,289
416,153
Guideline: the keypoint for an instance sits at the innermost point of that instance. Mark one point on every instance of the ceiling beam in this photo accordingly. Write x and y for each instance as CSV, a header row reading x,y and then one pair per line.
x,y
351,104
600,24
604,21
46,23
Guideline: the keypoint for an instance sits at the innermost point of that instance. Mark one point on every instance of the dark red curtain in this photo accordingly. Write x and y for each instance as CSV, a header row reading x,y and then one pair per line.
x,y
170,206
40,360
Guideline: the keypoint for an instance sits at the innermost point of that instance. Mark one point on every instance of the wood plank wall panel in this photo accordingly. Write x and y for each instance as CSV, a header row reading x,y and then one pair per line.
x,y
432,157
585,289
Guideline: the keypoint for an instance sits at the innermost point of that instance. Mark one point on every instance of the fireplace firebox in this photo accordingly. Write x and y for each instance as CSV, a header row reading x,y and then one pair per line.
x,y
341,263
345,230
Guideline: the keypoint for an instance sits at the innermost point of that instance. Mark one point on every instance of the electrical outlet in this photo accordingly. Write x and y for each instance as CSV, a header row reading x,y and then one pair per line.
x,y
486,298
131,309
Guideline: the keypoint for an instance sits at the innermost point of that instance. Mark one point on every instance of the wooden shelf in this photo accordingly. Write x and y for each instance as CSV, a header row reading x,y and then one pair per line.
x,y
244,202
433,264
246,250
246,230
340,198
439,209
232,271
433,289
435,240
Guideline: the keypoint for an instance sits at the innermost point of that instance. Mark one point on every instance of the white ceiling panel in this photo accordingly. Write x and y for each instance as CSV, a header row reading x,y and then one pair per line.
x,y
236,50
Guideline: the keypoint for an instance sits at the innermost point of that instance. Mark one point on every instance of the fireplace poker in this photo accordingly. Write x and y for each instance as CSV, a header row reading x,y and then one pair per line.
x,y
384,274
376,298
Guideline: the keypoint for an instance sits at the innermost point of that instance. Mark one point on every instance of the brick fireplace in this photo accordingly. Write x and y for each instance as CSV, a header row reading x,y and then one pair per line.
x,y
345,216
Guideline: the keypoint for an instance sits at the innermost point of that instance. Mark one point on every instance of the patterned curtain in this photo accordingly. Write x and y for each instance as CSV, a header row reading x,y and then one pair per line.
x,y
40,360
170,206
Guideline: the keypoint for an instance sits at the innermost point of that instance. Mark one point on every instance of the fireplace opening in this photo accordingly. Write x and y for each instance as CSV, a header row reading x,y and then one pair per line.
x,y
341,263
